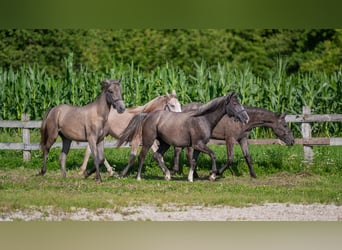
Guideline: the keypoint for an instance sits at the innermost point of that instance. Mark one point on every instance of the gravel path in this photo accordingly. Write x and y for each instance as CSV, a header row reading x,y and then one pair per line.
x,y
266,212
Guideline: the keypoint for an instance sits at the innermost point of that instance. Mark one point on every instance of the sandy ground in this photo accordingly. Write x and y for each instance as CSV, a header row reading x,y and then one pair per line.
x,y
266,212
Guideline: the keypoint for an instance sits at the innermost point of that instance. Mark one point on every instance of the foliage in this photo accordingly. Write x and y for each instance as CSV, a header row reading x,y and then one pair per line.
x,y
305,50
32,90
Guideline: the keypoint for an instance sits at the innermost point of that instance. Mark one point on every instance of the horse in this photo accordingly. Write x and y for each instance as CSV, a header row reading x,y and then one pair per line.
x,y
230,131
184,129
81,124
118,122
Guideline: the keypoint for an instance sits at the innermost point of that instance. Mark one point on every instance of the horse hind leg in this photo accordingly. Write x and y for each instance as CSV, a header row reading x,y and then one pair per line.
x,y
48,139
177,152
63,155
85,161
158,156
109,168
134,149
141,159
193,162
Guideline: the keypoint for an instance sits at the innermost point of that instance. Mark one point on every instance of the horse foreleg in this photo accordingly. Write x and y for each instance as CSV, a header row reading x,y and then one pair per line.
x,y
63,155
204,148
244,146
230,157
97,150
176,153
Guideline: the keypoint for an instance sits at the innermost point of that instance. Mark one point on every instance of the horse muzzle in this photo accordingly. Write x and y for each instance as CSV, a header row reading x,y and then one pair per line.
x,y
119,105
242,116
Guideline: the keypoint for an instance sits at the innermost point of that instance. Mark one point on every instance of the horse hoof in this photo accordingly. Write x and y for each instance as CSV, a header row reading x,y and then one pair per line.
x,y
85,174
40,174
168,176
212,177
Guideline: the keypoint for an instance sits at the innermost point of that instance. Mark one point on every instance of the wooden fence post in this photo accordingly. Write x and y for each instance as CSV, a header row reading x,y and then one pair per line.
x,y
306,133
26,138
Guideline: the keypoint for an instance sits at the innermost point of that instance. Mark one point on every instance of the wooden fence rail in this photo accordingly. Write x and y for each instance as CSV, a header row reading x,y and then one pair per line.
x,y
306,118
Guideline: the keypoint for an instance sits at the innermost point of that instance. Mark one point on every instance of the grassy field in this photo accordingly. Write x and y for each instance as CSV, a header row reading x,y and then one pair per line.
x,y
282,177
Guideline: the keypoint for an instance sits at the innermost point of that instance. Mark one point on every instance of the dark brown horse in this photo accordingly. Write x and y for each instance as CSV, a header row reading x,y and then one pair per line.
x,y
185,129
231,131
118,122
81,124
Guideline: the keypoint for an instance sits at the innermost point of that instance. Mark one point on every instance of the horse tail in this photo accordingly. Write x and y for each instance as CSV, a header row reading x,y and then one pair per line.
x,y
133,129
43,130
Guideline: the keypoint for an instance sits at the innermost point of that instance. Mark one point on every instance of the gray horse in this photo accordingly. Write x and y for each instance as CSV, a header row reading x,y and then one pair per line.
x,y
81,124
185,129
231,131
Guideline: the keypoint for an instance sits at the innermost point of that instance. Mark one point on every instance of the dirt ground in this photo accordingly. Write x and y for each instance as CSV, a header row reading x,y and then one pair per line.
x,y
266,212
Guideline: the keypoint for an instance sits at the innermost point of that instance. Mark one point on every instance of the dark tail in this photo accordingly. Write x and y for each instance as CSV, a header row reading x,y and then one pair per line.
x,y
43,130
133,129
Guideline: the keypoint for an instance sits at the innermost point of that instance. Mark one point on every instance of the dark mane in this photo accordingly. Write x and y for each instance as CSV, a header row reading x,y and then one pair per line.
x,y
205,108
260,110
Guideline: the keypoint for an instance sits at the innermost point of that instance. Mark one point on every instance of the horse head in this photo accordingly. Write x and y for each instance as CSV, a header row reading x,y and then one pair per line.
x,y
283,131
234,108
113,91
172,103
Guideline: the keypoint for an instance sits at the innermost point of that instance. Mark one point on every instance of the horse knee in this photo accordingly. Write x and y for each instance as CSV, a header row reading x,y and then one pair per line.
x,y
157,156
230,162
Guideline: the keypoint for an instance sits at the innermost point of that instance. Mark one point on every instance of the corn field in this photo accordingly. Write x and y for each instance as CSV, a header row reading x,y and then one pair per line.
x,y
32,90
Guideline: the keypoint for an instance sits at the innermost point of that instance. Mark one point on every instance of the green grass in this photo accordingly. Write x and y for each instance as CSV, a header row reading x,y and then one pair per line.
x,y
282,177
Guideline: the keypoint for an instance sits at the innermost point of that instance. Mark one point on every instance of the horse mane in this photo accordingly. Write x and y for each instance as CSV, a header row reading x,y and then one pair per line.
x,y
136,109
256,109
150,106
147,107
266,115
208,107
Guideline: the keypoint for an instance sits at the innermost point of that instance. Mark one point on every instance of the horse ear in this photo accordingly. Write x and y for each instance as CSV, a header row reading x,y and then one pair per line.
x,y
118,81
173,93
105,83
230,96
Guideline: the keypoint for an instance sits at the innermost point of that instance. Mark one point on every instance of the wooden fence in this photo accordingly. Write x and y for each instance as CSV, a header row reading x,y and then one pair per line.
x,y
306,119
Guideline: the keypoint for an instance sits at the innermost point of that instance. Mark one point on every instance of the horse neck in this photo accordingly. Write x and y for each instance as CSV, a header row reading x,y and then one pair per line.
x,y
102,106
259,117
213,111
154,105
